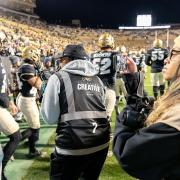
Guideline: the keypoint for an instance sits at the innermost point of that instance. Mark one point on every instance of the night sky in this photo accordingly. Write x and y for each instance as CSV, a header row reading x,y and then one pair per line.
x,y
108,13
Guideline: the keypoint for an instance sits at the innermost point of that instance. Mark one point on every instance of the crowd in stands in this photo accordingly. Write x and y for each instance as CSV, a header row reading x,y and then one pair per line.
x,y
20,32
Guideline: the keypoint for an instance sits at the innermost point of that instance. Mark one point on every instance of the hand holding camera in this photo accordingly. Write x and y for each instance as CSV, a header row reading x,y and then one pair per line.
x,y
127,65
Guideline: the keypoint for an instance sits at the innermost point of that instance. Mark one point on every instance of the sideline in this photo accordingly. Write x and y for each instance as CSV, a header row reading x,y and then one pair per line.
x,y
18,168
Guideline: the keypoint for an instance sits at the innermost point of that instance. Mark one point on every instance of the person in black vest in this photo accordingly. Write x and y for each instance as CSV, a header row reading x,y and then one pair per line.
x,y
29,82
74,100
106,62
155,58
148,145
7,123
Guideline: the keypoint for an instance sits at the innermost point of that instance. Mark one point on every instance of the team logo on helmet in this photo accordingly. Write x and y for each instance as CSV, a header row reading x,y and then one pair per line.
x,y
31,53
106,40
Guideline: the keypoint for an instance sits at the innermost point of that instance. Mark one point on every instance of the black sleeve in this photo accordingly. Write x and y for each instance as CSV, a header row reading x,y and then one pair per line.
x,y
134,83
166,53
149,153
115,62
148,60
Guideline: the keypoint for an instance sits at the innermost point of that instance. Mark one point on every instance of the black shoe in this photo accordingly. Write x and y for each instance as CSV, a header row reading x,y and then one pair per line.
x,y
35,154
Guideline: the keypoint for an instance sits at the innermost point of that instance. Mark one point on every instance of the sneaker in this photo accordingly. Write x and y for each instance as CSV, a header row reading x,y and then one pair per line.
x,y
19,117
35,154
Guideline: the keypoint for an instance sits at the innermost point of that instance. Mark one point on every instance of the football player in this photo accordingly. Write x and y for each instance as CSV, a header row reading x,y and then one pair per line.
x,y
29,83
7,123
15,64
106,62
155,58
120,88
48,70
140,63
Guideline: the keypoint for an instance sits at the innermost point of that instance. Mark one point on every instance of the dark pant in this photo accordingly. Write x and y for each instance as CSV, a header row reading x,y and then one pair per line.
x,y
86,167
10,147
33,136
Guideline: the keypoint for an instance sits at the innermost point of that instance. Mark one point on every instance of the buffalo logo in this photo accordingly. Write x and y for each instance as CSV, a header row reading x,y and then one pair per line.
x,y
87,79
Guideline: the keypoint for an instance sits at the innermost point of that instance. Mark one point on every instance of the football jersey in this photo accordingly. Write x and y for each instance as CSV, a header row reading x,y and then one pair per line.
x,y
47,73
139,62
26,72
155,58
4,102
106,63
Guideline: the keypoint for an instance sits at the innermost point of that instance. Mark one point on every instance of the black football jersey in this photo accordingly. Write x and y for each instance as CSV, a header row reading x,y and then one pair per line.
x,y
106,64
3,87
139,62
155,58
26,72
47,73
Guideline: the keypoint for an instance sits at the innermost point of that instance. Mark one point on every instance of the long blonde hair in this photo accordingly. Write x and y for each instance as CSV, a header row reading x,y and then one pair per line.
x,y
171,97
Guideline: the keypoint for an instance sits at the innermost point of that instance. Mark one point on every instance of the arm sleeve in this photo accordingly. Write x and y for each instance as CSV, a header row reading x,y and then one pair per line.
x,y
148,58
116,58
146,153
50,107
134,83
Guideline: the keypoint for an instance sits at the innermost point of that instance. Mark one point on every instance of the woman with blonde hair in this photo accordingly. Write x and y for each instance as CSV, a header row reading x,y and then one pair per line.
x,y
152,151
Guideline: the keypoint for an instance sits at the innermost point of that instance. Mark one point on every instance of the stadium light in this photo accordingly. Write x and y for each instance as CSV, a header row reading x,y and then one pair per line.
x,y
144,20
143,27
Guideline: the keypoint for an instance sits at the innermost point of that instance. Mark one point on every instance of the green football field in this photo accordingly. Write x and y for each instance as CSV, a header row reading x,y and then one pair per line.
x,y
22,168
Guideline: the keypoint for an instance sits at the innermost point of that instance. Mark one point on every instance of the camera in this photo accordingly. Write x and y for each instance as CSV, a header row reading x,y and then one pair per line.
x,y
143,104
146,105
148,101
137,111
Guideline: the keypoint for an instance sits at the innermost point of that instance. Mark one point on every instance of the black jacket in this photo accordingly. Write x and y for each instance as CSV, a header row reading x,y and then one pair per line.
x,y
149,153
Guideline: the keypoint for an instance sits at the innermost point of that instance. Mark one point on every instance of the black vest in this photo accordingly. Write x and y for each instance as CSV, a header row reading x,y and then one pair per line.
x,y
83,127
